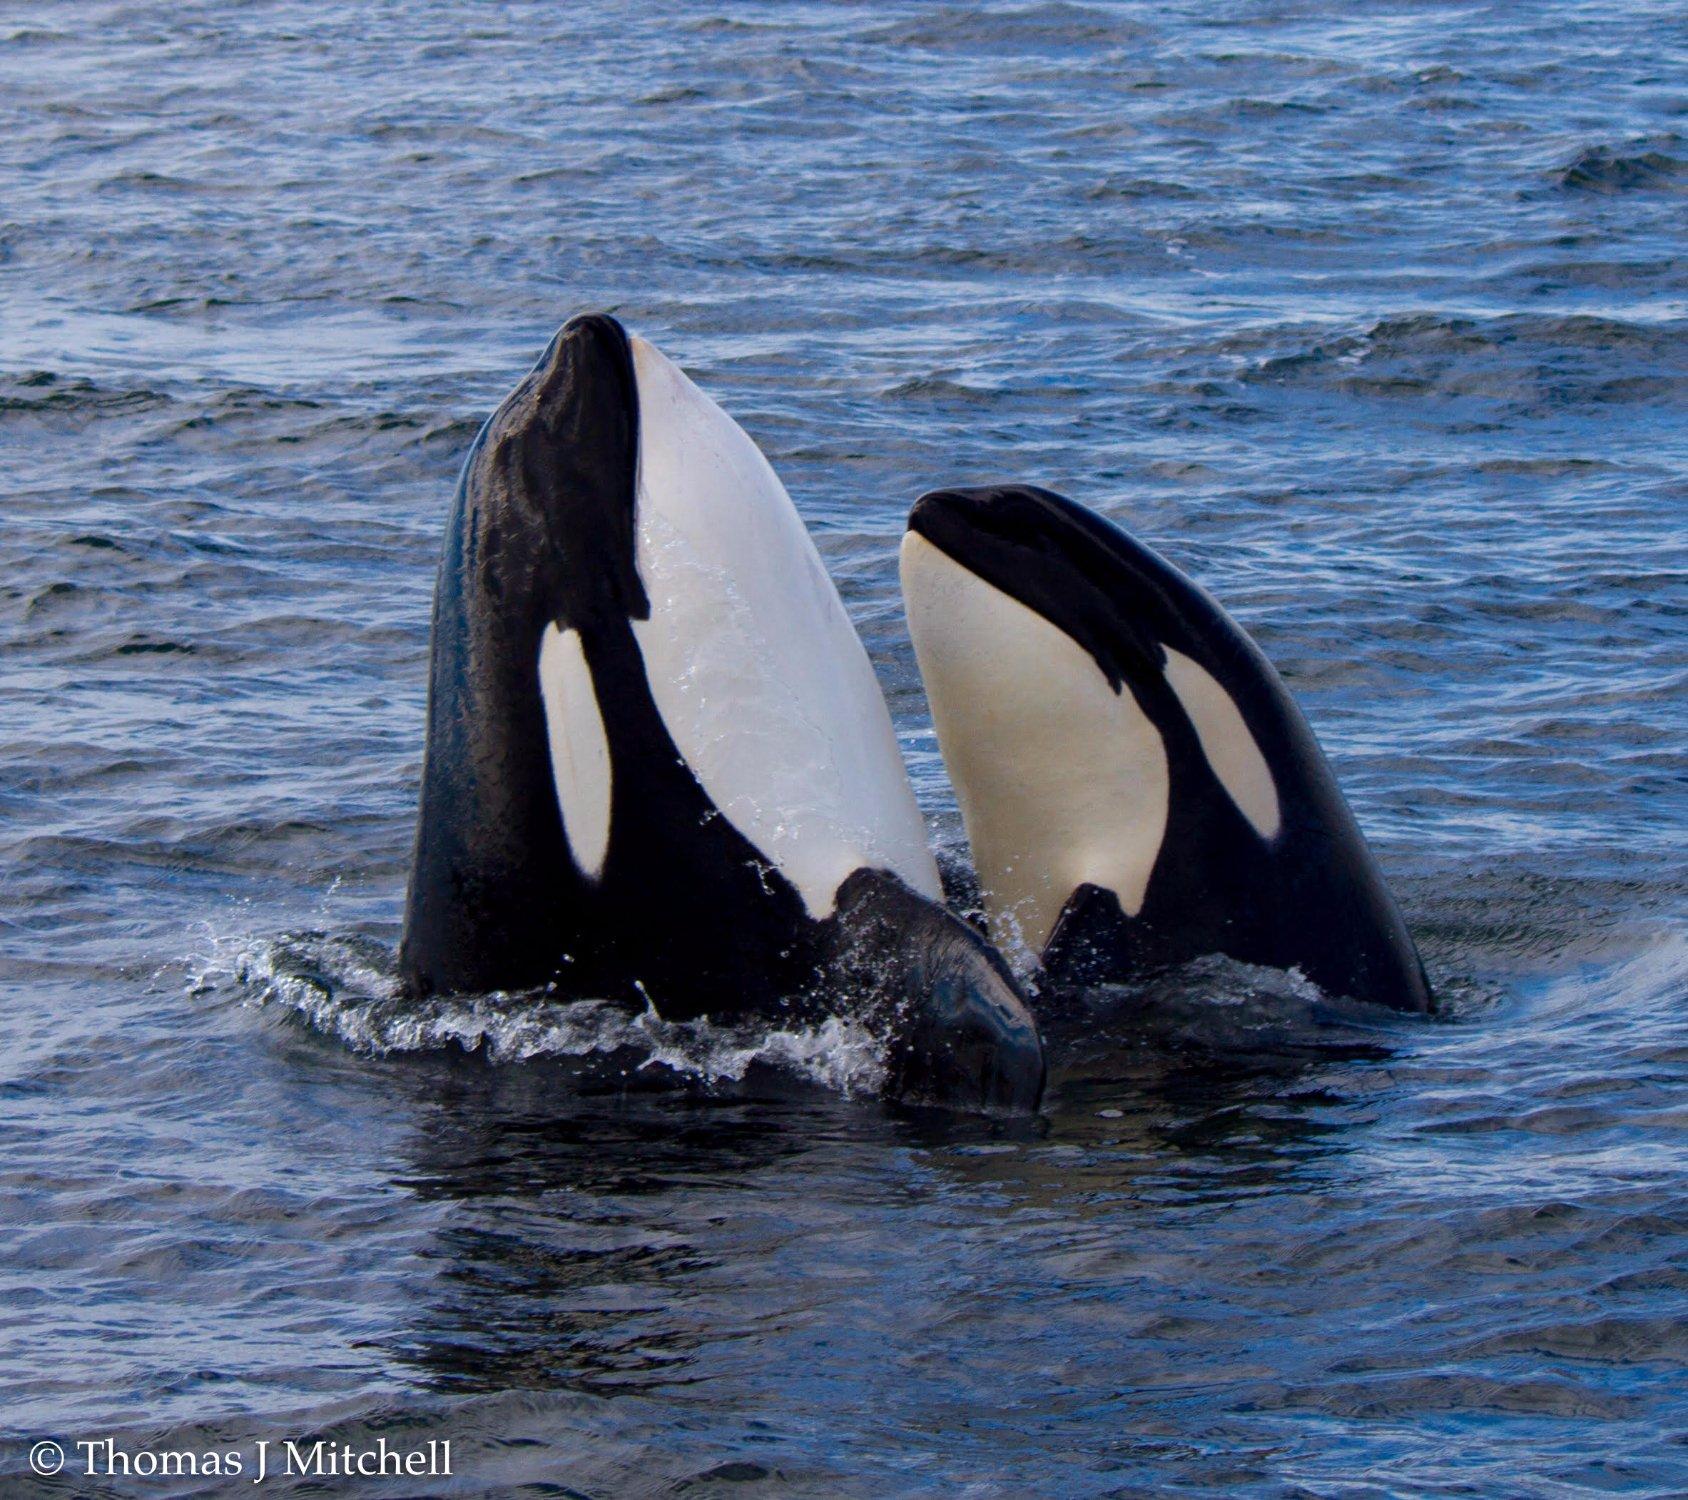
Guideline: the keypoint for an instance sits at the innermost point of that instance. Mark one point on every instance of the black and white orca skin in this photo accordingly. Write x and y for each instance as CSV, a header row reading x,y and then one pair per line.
x,y
658,764
1138,787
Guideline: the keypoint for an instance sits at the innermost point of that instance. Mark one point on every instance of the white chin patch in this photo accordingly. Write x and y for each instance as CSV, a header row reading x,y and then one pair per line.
x,y
1230,748
752,660
580,753
1061,780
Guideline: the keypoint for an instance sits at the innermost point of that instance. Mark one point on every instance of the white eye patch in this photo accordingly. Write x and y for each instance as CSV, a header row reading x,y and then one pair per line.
x,y
1230,748
580,752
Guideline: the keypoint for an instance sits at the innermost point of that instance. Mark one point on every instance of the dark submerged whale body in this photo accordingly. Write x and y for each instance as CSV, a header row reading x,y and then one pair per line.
x,y
658,766
1138,786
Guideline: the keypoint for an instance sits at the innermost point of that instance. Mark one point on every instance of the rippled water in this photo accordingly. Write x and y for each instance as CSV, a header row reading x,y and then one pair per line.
x,y
1371,318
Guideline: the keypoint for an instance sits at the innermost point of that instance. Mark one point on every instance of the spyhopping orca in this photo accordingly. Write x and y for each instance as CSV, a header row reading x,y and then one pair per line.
x,y
1138,787
658,764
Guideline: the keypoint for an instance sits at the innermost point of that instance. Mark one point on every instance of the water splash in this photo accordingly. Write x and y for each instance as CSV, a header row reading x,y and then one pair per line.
x,y
346,988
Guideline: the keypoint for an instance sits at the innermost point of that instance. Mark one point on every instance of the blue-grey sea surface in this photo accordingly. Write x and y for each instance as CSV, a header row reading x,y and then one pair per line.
x,y
1371,317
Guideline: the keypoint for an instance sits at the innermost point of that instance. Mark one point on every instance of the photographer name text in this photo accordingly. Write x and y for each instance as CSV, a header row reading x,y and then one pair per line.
x,y
102,1458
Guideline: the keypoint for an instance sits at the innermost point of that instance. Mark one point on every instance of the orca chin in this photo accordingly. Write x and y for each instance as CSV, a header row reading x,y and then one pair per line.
x,y
1138,787
658,765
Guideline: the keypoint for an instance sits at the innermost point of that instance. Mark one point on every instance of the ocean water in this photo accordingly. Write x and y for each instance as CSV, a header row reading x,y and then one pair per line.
x,y
1372,318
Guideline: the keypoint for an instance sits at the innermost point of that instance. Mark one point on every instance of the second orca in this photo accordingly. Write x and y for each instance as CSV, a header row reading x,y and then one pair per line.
x,y
1138,787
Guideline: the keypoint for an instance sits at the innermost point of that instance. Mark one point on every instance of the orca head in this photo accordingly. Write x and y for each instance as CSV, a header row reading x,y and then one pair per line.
x,y
1123,753
637,544
1145,626
1072,673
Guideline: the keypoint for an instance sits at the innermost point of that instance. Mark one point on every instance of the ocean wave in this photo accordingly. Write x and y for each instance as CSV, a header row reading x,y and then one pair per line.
x,y
1610,169
1516,357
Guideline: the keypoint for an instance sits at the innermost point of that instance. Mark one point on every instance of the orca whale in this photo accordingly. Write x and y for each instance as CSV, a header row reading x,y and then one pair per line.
x,y
658,765
1137,785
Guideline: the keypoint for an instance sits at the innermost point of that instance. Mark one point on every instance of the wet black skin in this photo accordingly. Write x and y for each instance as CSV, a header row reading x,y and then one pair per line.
x,y
687,913
1312,898
961,1030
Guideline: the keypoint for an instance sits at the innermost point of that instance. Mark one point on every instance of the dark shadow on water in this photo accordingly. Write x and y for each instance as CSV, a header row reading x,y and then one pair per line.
x,y
577,1218
1210,1082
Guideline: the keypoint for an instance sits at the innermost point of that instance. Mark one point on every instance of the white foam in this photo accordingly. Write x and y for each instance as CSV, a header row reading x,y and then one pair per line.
x,y
334,986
